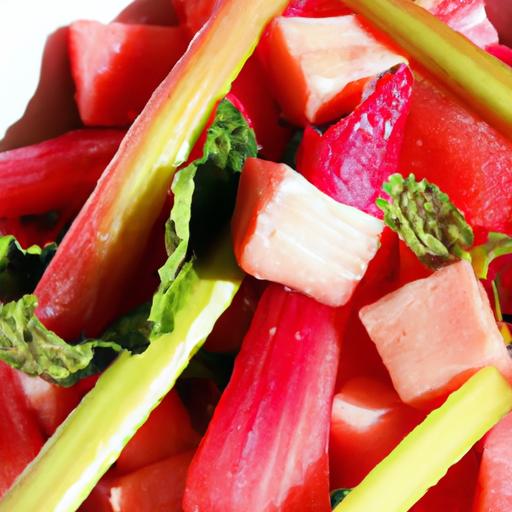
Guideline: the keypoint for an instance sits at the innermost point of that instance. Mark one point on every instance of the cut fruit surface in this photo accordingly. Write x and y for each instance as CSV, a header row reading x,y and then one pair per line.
x,y
465,16
494,493
439,145
285,230
266,446
319,66
354,157
432,334
440,441
116,67
368,421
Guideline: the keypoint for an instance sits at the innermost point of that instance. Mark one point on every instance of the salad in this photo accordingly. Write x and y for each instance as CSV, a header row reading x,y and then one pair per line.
x,y
269,269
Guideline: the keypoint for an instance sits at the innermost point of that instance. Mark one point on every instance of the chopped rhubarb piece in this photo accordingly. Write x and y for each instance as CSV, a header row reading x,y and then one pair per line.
x,y
494,492
368,421
465,16
20,437
434,333
285,230
266,446
167,432
319,66
353,158
116,67
156,487
52,174
440,145
50,403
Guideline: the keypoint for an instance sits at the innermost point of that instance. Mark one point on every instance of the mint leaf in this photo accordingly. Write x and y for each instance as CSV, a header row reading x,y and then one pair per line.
x,y
204,196
27,345
20,270
483,255
426,220
338,496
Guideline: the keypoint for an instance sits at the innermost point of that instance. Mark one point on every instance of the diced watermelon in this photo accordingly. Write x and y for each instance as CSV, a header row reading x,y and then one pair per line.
x,y
99,499
167,432
116,67
194,14
49,402
502,52
266,446
319,66
232,326
466,16
286,230
464,156
368,421
52,174
157,487
494,492
20,437
434,333
353,158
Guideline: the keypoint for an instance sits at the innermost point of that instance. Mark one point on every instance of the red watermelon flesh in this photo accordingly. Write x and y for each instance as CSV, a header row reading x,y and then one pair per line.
x,y
116,67
502,52
468,159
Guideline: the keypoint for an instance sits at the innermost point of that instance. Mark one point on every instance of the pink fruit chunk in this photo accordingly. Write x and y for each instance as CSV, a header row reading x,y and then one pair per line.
x,y
285,230
319,66
432,334
354,157
494,492
465,16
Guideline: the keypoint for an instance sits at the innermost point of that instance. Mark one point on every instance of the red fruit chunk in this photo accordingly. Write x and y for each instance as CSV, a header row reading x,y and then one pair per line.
x,y
353,158
464,156
250,93
433,334
286,230
20,437
494,493
316,8
52,174
465,16
266,446
502,52
232,326
368,421
167,432
319,66
50,403
99,499
116,67
194,14
155,488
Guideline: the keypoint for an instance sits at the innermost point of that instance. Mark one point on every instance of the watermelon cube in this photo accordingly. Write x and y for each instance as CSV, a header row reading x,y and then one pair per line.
x,y
116,67
319,66
432,334
286,230
494,492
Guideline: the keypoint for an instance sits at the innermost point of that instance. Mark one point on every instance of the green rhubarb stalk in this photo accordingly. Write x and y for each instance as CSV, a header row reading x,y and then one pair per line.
x,y
425,455
91,438
479,79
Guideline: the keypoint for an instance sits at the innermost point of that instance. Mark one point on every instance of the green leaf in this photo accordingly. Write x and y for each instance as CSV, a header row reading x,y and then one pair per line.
x,y
428,222
338,496
483,255
27,345
204,195
20,270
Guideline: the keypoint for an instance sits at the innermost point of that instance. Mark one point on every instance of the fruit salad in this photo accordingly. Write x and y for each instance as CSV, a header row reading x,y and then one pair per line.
x,y
268,267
